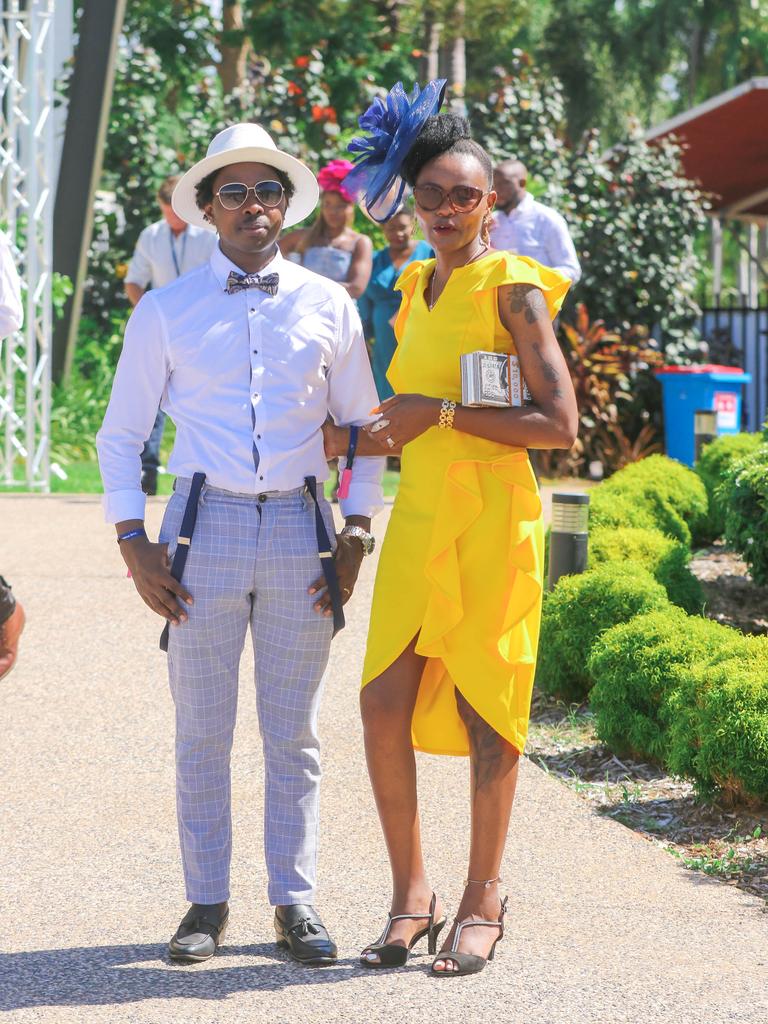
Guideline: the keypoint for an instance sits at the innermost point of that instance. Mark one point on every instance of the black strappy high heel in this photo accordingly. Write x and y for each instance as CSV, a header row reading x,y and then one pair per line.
x,y
470,963
391,954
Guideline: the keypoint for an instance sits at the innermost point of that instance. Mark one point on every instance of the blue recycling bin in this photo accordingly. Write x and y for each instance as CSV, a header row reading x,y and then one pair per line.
x,y
685,390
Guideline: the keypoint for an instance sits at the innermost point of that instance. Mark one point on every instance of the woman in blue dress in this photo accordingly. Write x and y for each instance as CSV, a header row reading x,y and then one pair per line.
x,y
330,246
379,303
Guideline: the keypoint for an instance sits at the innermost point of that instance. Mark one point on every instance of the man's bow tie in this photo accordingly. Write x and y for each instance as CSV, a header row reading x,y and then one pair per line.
x,y
238,282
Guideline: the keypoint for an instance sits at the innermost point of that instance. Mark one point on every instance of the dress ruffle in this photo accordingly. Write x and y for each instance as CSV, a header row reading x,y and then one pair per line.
x,y
460,506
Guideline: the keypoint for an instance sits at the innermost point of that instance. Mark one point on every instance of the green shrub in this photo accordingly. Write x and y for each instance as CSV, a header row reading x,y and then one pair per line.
x,y
719,724
671,493
665,558
578,610
638,666
713,465
612,509
744,494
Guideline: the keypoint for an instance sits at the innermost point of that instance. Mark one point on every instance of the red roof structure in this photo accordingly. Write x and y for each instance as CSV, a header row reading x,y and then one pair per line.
x,y
726,149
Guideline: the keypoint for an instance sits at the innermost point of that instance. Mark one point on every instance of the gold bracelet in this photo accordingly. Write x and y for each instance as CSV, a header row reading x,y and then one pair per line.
x,y
447,411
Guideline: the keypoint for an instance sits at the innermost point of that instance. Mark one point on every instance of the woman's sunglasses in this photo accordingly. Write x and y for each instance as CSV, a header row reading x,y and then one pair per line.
x,y
266,193
461,198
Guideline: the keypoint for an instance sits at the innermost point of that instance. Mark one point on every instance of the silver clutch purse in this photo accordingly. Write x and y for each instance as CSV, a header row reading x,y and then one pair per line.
x,y
492,378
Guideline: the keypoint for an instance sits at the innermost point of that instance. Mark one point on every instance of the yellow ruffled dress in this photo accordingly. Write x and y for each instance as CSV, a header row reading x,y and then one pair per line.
x,y
462,561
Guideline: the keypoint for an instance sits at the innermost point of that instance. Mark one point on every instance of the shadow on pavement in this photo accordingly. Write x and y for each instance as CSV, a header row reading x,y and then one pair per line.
x,y
104,975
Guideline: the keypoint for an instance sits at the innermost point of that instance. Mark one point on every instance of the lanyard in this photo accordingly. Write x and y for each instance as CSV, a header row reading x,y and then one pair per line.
x,y
345,477
178,263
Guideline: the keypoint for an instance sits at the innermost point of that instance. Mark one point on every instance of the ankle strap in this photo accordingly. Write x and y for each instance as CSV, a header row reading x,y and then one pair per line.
x,y
486,882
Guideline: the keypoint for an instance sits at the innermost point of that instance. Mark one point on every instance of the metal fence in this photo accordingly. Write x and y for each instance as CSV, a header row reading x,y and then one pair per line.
x,y
26,208
738,336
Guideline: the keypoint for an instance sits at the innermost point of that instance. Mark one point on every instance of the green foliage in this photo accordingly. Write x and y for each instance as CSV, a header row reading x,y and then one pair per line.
x,y
637,666
80,404
522,116
634,220
714,464
666,559
678,484
744,494
719,724
578,610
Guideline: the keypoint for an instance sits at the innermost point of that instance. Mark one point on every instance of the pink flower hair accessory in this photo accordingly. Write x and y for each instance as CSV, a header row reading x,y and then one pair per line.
x,y
331,179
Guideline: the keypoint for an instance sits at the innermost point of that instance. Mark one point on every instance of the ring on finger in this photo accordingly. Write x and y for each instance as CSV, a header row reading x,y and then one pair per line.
x,y
390,442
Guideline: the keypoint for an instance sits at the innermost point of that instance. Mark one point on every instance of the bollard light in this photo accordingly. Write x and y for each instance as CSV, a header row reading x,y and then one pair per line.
x,y
569,536
704,429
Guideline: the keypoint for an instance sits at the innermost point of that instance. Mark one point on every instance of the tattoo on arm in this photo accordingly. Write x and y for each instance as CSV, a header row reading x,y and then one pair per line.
x,y
528,299
550,373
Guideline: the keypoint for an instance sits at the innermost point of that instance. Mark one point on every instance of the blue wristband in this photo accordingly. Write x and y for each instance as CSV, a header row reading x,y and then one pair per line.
x,y
140,532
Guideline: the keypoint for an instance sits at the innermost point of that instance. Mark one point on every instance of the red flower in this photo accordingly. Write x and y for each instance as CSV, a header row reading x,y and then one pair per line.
x,y
320,113
301,62
294,90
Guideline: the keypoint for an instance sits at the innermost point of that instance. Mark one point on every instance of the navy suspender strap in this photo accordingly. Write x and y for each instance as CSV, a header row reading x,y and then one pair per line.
x,y
326,559
184,540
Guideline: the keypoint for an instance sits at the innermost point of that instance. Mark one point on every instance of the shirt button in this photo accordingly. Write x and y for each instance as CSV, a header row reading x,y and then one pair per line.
x,y
258,437
262,497
255,351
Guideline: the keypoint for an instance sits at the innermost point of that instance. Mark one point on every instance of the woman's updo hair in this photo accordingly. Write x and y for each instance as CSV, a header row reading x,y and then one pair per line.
x,y
441,134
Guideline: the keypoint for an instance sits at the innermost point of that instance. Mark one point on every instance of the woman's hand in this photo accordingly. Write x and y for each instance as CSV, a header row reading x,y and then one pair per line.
x,y
335,439
403,418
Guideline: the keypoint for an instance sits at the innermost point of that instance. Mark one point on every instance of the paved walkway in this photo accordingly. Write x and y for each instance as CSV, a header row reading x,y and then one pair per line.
x,y
604,928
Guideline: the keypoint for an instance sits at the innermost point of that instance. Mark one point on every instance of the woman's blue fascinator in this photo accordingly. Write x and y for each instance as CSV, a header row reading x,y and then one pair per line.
x,y
393,124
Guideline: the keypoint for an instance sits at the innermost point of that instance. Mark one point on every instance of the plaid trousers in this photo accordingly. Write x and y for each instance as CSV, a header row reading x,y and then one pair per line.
x,y
251,561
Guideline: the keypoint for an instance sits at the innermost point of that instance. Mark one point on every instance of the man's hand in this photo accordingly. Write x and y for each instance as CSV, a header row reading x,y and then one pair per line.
x,y
335,439
150,568
347,559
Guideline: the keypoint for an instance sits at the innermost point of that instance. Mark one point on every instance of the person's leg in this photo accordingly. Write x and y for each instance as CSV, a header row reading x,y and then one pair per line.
x,y
387,704
11,624
203,662
150,455
291,644
493,777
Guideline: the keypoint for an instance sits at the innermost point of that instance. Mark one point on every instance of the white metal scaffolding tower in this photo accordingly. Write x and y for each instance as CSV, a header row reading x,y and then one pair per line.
x,y
27,169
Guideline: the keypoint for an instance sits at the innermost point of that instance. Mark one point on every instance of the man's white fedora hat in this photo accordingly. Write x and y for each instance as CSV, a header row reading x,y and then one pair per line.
x,y
233,145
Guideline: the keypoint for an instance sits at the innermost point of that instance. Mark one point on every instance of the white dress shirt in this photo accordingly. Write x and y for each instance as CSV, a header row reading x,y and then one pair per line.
x,y
11,309
533,229
160,256
247,378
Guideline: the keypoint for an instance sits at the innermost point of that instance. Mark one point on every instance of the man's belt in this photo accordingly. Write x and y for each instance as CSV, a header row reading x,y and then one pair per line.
x,y
184,540
323,547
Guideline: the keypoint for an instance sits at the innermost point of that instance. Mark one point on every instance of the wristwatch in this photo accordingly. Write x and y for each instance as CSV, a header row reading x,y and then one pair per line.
x,y
366,539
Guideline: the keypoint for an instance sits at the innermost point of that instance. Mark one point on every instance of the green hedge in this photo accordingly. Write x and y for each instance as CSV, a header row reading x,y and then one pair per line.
x,y
745,496
638,666
578,610
719,724
713,465
665,558
666,494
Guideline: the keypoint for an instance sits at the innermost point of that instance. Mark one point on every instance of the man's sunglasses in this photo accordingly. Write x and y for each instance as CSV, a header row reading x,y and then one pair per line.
x,y
235,194
461,198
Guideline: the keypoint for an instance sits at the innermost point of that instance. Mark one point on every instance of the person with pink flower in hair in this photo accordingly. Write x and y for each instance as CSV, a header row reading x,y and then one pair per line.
x,y
330,246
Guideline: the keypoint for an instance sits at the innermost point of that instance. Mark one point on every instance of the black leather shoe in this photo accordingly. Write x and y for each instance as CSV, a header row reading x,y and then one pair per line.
x,y
200,933
299,930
